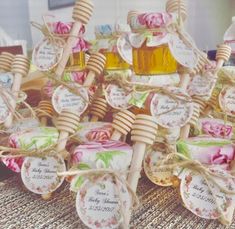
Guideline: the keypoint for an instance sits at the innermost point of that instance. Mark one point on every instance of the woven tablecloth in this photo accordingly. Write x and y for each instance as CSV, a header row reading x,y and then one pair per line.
x,y
160,209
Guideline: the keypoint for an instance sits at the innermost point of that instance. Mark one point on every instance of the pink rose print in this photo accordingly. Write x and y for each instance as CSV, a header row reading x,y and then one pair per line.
x,y
211,66
100,134
77,157
154,20
62,28
79,77
224,155
13,164
217,130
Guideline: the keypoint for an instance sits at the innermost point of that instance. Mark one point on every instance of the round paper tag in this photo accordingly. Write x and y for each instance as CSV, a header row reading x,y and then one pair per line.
x,y
202,85
227,100
170,113
46,55
62,98
117,97
161,177
184,55
4,110
39,175
197,196
124,48
98,203
6,79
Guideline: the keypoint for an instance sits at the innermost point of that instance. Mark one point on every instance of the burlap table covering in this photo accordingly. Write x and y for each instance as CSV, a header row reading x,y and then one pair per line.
x,y
160,209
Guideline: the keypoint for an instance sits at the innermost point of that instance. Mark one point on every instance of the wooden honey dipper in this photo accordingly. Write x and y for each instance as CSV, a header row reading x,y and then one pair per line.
x,y
122,124
82,12
95,66
99,109
131,14
184,132
20,68
6,60
184,77
67,123
172,6
223,54
45,111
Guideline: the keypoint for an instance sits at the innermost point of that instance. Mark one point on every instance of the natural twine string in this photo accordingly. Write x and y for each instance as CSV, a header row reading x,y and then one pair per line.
x,y
206,173
118,176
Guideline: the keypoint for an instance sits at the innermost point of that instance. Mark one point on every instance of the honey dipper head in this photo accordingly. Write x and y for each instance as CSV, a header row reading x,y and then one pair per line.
x,y
68,121
99,108
6,60
20,65
96,63
82,11
123,121
45,109
223,52
144,129
172,6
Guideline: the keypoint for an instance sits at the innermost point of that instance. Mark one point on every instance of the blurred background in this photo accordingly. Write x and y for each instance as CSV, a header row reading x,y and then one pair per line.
x,y
207,20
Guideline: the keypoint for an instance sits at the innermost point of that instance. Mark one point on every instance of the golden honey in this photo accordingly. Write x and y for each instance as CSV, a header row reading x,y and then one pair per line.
x,y
153,60
77,60
115,62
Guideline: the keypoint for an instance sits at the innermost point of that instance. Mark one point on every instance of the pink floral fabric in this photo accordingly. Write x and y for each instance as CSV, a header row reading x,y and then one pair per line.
x,y
154,20
216,129
100,134
65,28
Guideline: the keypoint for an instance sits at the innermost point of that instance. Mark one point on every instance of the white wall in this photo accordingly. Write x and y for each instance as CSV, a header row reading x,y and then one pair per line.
x,y
207,22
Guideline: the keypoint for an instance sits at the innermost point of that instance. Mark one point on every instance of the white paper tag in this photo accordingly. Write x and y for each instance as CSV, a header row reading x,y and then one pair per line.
x,y
4,110
202,85
62,98
117,97
98,203
227,100
197,196
184,55
170,113
39,175
46,55
6,79
124,48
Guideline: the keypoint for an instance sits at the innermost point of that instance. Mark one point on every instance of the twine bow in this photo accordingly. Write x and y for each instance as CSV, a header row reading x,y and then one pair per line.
x,y
118,178
206,173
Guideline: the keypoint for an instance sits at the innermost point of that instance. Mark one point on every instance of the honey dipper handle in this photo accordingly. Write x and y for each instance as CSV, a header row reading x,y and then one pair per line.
x,y
184,131
62,141
15,89
89,79
136,164
68,48
43,121
184,81
116,136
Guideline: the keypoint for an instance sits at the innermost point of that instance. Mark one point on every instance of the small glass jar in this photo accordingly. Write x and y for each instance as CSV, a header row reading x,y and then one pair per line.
x,y
153,60
76,61
114,61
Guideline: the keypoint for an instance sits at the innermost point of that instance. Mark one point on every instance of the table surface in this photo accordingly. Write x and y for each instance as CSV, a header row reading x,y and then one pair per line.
x,y
160,209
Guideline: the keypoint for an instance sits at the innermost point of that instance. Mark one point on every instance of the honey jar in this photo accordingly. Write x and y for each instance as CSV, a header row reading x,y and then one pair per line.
x,y
151,54
106,43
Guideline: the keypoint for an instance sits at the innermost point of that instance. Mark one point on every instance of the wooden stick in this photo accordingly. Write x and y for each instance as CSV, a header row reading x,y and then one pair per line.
x,y
67,123
223,54
82,12
20,68
143,134
95,66
99,109
122,124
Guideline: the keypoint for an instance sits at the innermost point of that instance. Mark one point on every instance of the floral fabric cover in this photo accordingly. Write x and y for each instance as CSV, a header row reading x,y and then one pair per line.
x,y
208,150
216,128
36,138
64,28
103,154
